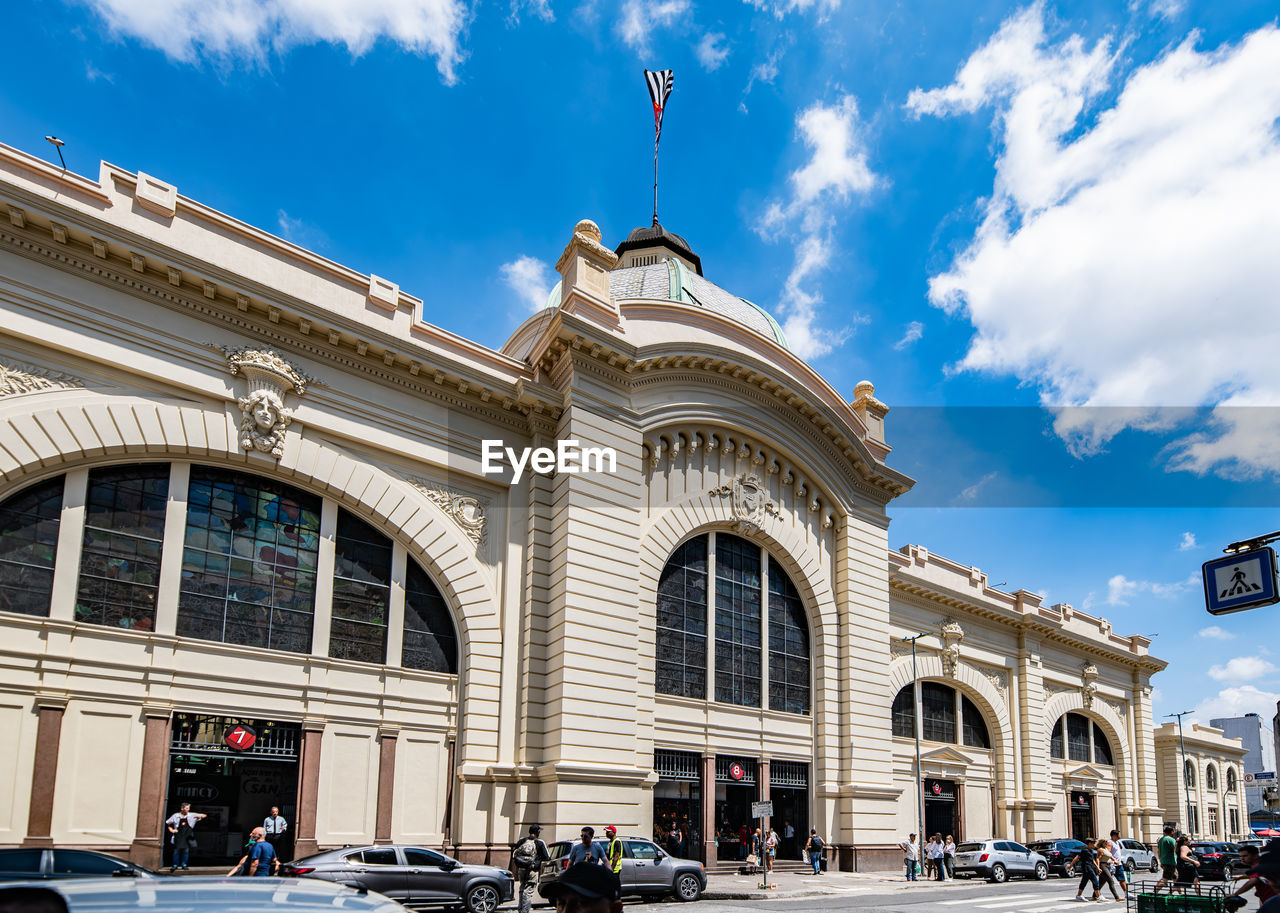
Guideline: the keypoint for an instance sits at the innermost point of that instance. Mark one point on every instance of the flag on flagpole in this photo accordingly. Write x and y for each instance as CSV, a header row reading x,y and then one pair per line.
x,y
660,82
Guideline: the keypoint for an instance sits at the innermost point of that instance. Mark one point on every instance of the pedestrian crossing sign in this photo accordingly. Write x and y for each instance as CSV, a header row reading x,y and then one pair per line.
x,y
1241,581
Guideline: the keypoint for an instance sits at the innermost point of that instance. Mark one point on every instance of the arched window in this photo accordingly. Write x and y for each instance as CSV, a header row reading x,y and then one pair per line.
x,y
1189,774
28,544
744,634
1231,779
361,591
942,706
430,641
1077,738
1211,778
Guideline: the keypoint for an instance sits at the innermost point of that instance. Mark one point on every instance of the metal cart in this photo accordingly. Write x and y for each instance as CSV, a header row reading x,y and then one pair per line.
x,y
1175,898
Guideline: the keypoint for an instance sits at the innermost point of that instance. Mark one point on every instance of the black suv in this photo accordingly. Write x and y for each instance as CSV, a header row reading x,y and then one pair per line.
x,y
1218,860
1059,853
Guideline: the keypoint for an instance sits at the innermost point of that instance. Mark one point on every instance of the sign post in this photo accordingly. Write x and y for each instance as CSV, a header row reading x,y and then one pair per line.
x,y
763,811
1244,579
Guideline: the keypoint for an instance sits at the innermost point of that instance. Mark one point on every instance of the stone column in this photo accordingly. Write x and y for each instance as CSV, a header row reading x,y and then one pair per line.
x,y
710,852
149,831
386,783
308,790
44,773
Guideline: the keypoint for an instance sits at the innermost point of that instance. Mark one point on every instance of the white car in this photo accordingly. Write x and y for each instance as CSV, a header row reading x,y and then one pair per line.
x,y
1137,856
998,860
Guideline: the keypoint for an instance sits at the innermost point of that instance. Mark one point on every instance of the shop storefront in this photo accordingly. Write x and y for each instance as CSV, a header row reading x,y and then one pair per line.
x,y
789,792
941,809
735,791
677,803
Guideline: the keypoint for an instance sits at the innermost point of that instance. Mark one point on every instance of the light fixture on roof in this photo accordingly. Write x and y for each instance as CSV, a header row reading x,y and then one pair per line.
x,y
57,144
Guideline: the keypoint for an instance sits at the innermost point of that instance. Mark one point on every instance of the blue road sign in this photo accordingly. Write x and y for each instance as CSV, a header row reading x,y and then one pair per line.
x,y
1241,581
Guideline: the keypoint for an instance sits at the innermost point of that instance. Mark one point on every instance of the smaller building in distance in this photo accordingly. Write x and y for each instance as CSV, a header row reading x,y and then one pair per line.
x,y
1258,740
1201,781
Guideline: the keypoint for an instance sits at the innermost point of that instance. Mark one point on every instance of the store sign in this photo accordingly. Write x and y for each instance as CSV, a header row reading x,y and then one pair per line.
x,y
761,809
736,771
240,737
937,789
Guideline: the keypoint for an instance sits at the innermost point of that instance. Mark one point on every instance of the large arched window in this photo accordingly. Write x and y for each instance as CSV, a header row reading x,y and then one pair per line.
x,y
1077,738
748,633
1211,778
1189,774
1231,779
250,558
943,706
28,545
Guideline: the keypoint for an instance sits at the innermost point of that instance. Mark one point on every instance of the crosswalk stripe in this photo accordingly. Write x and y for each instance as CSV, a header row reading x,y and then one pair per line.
x,y
1017,901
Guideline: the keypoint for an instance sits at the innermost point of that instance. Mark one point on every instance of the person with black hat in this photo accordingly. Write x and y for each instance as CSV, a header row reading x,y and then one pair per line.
x,y
526,858
585,887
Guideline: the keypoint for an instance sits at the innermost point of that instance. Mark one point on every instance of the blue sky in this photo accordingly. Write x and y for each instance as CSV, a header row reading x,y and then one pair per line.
x,y
1046,232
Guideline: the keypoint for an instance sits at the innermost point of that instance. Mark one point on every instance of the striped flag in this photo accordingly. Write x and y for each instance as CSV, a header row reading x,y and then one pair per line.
x,y
660,82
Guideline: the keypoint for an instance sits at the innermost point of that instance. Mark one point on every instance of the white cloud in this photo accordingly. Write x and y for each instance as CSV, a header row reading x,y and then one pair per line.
x,y
1188,542
972,491
1242,669
1145,238
641,18
915,329
836,170
531,279
540,9
711,51
781,8
188,29
1213,632
1120,589
93,74
299,232
1236,702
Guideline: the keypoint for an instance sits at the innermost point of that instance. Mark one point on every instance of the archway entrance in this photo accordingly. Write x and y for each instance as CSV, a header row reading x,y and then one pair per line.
x,y
941,809
1083,822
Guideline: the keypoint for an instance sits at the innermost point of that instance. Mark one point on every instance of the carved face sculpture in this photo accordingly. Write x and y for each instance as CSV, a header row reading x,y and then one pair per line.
x,y
264,414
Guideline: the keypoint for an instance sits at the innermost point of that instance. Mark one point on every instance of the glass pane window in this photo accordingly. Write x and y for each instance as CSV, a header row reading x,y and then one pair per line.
x,y
1056,746
1101,747
1211,777
1077,738
737,621
123,532
904,714
430,642
1189,774
249,561
1231,783
938,712
975,727
28,544
788,645
361,591
682,622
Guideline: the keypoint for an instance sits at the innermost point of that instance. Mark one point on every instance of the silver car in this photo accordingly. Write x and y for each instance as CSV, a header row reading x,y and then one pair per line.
x,y
647,869
997,860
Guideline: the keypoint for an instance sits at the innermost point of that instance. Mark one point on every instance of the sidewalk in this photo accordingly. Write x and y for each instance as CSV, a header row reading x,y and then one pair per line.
x,y
788,885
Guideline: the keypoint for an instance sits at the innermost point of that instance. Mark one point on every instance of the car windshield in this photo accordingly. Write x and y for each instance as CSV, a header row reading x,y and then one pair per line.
x,y
558,850
968,847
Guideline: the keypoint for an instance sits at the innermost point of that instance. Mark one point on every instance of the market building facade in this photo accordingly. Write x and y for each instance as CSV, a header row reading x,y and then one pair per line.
x,y
252,553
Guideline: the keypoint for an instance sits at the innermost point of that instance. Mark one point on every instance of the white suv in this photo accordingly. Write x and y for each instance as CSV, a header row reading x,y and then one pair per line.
x,y
1137,856
999,859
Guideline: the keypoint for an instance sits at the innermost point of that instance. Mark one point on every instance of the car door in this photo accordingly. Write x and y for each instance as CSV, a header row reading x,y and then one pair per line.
x,y
379,869
1022,857
648,870
82,864
431,879
22,864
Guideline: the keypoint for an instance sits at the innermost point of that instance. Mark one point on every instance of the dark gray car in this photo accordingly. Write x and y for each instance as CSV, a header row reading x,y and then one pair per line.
x,y
410,874
647,869
24,863
201,895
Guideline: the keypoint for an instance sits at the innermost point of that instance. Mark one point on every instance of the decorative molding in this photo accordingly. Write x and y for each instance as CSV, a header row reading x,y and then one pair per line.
x,y
749,501
999,679
1052,690
467,511
1121,708
952,634
16,377
1089,684
263,414
897,651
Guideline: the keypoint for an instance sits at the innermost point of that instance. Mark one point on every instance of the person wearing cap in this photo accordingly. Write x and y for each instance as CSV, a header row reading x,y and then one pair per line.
x,y
527,874
587,851
585,887
613,853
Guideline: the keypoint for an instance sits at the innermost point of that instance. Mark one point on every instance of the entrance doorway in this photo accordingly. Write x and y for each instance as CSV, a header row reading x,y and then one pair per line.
x,y
1082,818
234,787
789,792
941,810
677,803
735,791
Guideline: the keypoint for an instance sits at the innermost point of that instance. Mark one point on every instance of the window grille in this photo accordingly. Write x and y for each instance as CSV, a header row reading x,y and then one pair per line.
x,y
677,765
748,765
789,774
202,735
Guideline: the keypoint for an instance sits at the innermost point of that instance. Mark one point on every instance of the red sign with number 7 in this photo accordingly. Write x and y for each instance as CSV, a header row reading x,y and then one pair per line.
x,y
240,737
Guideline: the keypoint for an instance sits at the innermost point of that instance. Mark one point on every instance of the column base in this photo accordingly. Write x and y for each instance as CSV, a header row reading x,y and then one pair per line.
x,y
40,842
148,853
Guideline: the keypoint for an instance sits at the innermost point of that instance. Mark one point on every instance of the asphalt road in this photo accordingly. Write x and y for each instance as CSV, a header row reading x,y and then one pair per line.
x,y
962,896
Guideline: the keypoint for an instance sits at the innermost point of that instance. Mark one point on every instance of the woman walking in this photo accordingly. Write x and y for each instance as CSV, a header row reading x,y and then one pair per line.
x,y
1087,858
1106,862
1187,862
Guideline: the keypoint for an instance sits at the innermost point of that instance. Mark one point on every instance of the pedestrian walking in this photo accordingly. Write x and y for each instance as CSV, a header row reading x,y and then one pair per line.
x,y
1118,868
1249,857
613,850
527,857
181,825
587,850
813,847
911,856
1087,859
1106,866
1188,865
949,856
260,858
1167,852
770,849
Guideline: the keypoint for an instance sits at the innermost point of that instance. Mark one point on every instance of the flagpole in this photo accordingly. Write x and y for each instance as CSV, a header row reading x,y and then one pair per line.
x,y
655,184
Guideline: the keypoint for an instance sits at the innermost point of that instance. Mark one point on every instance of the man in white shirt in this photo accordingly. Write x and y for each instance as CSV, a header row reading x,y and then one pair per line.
x,y
275,826
181,825
911,854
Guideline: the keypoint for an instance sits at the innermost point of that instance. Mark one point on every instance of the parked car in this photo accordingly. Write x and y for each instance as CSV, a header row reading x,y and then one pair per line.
x,y
647,870
1218,860
1057,853
999,859
1137,856
25,863
202,895
410,874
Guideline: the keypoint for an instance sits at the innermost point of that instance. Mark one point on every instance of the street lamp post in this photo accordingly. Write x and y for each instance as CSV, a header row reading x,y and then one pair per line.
x,y
1186,784
918,722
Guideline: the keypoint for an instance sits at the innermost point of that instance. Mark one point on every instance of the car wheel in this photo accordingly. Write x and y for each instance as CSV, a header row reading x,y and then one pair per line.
x,y
1063,873
688,888
1155,865
1042,871
998,874
1129,865
483,898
